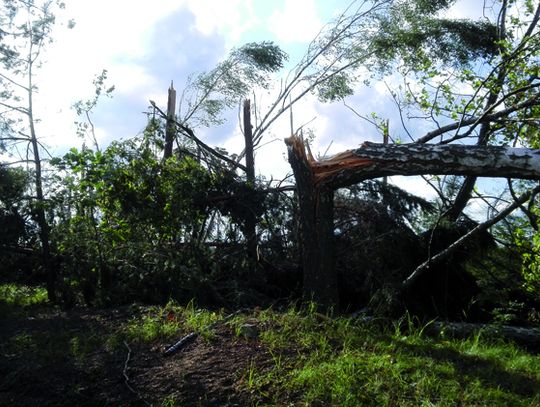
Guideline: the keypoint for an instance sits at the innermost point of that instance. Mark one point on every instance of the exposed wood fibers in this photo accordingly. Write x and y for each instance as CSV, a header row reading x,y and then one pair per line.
x,y
324,169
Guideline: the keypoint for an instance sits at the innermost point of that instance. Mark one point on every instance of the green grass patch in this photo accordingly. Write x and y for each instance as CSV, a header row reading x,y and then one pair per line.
x,y
344,362
172,320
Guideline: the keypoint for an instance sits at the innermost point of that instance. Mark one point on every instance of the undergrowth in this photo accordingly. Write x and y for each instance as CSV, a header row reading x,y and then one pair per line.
x,y
22,295
318,360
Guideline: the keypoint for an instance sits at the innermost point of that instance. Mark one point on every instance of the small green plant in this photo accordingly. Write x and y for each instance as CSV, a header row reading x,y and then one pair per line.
x,y
22,342
167,322
199,320
22,295
251,375
82,345
150,327
169,401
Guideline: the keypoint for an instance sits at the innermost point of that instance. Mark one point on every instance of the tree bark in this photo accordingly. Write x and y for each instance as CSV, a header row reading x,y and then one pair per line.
x,y
170,131
374,160
316,181
316,231
251,221
41,220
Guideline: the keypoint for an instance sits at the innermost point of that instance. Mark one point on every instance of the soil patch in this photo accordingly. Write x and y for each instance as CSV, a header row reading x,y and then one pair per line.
x,y
57,358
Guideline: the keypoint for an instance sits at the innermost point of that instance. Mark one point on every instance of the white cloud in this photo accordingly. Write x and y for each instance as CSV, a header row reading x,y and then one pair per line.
x,y
230,18
107,35
415,185
298,21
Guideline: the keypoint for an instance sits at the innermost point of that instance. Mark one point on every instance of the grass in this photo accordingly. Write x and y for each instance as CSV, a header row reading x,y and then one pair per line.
x,y
315,360
343,362
169,321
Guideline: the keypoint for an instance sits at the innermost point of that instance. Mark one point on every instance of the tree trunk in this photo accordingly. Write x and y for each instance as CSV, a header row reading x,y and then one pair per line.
x,y
41,220
374,160
251,222
171,128
316,181
316,232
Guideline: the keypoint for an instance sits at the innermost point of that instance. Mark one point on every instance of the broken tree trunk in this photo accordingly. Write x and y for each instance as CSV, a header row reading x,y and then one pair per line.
x,y
316,230
373,160
170,131
251,221
316,181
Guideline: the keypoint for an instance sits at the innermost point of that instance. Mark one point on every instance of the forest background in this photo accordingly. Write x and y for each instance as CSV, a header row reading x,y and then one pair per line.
x,y
163,214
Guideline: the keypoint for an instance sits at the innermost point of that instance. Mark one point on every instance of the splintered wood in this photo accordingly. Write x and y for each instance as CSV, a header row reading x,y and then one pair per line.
x,y
324,169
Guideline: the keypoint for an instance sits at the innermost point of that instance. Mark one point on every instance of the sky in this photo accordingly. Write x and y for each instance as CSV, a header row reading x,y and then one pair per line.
x,y
146,45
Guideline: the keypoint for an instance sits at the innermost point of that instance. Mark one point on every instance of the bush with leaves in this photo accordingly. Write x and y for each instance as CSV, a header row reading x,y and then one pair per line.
x,y
127,222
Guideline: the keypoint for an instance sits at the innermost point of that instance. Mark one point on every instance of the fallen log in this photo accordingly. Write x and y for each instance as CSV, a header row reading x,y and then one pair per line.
x,y
529,337
181,343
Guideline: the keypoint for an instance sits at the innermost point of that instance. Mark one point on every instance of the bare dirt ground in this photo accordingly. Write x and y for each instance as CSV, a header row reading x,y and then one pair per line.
x,y
53,358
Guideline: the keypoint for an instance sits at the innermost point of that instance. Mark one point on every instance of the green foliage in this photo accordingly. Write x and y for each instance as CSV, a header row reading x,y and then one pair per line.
x,y
264,56
529,244
407,35
132,226
336,88
13,209
21,295
84,108
447,42
13,184
208,94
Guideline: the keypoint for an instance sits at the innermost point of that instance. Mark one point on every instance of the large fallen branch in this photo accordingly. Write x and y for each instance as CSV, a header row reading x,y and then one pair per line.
x,y
373,160
529,337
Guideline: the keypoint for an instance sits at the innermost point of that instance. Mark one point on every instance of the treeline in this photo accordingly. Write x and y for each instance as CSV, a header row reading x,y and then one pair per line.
x,y
164,215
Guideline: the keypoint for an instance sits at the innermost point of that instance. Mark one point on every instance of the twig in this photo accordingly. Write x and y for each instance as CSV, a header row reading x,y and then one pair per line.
x,y
126,377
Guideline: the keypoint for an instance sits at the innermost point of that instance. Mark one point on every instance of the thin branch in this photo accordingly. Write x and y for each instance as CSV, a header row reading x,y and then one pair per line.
x,y
126,377
425,266
13,82
532,101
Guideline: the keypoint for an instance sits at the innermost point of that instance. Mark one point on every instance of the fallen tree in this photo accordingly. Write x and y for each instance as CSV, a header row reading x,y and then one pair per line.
x,y
316,182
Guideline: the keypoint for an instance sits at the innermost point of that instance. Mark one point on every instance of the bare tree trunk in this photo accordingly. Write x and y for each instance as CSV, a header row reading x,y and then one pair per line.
x,y
44,230
171,124
251,221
